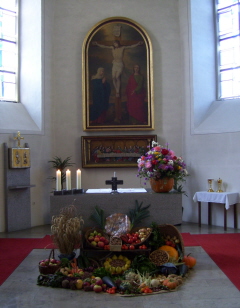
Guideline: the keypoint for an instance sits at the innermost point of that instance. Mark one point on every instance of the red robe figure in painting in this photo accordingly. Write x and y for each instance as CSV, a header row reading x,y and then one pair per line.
x,y
135,97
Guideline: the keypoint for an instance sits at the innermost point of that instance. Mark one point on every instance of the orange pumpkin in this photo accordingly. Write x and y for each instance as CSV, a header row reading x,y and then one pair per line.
x,y
189,261
170,283
173,253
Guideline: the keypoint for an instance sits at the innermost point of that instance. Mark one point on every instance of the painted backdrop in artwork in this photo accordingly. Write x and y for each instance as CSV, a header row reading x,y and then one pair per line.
x,y
117,76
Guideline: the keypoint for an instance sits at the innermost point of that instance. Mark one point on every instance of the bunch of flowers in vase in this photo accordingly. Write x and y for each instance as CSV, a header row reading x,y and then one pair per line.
x,y
161,163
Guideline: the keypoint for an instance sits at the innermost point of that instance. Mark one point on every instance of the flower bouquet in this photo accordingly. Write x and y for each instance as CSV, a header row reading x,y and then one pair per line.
x,y
161,163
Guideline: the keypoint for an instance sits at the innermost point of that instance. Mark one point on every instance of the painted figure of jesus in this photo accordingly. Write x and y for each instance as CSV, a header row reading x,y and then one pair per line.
x,y
117,68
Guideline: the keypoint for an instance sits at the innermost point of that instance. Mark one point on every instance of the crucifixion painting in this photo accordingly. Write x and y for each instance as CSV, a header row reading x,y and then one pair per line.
x,y
118,79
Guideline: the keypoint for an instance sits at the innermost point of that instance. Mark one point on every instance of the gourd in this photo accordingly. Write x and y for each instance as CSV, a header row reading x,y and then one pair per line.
x,y
189,261
173,253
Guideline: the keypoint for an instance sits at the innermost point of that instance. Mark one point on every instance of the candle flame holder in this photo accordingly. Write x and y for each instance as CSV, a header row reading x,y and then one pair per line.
x,y
219,182
210,185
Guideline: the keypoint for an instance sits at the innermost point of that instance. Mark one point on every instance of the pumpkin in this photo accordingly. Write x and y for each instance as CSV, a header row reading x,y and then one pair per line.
x,y
173,253
170,283
189,261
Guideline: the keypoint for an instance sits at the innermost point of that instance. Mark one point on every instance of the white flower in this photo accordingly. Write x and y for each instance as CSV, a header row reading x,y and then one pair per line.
x,y
170,162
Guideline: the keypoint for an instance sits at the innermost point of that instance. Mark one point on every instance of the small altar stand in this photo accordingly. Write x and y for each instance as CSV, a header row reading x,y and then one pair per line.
x,y
225,198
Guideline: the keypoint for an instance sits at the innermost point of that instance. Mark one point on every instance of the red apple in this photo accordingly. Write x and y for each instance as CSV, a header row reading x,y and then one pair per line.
x,y
102,239
101,244
96,239
97,288
99,282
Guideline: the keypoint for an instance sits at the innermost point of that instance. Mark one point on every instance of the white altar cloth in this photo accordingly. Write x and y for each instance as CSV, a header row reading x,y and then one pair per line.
x,y
228,198
120,190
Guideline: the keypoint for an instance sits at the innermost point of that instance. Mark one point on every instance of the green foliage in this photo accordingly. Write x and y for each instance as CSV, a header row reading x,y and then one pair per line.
x,y
99,217
156,239
142,264
59,164
138,213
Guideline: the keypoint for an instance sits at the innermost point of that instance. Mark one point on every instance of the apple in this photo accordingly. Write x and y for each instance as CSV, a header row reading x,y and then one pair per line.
x,y
102,239
106,241
91,238
94,243
96,239
42,263
101,244
99,282
97,288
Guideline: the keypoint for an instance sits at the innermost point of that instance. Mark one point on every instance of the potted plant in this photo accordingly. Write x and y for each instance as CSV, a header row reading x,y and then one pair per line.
x,y
59,164
163,168
66,231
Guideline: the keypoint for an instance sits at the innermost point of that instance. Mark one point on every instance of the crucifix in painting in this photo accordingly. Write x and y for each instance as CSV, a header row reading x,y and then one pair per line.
x,y
118,79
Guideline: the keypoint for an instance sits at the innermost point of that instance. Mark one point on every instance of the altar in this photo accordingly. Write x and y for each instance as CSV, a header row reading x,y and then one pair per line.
x,y
166,208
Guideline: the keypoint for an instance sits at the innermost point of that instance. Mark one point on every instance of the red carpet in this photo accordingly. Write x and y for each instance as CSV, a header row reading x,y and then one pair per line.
x,y
224,249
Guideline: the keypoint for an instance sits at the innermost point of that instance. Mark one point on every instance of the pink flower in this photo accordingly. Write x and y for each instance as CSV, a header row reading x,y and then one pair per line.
x,y
148,164
157,149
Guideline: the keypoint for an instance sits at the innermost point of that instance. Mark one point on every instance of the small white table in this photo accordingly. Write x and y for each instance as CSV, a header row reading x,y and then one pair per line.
x,y
226,198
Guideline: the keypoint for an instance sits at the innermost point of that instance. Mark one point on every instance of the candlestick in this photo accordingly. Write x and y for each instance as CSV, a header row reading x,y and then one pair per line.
x,y
68,179
78,175
114,174
58,180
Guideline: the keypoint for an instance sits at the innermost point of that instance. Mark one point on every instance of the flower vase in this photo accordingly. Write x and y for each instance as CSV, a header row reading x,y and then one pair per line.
x,y
162,185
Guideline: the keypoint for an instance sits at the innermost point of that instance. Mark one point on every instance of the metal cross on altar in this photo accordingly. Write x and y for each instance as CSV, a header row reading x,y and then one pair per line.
x,y
114,182
18,138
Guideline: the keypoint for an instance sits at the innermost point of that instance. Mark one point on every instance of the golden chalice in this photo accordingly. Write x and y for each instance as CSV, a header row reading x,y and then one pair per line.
x,y
219,182
210,185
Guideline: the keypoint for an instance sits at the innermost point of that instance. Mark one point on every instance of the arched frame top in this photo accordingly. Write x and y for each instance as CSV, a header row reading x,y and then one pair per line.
x,y
114,51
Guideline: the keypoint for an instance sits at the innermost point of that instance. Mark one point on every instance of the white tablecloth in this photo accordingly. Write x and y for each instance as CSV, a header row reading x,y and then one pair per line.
x,y
120,190
228,198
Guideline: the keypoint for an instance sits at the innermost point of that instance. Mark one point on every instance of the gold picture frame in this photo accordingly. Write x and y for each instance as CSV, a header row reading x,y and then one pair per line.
x,y
114,151
117,77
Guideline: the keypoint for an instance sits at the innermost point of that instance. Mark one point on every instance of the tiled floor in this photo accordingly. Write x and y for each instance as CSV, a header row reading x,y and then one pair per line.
x,y
206,286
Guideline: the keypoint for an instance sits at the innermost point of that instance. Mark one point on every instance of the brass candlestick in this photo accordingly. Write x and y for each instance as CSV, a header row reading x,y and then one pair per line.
x,y
219,182
210,185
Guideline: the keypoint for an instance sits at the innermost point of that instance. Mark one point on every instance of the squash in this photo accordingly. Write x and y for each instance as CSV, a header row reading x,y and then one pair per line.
x,y
173,253
189,261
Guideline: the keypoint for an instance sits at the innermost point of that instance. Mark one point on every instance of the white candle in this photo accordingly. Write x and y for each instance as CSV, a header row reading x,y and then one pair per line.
x,y
114,174
68,179
78,180
58,180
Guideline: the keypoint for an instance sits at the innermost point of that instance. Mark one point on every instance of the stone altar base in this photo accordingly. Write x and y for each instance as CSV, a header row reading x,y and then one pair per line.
x,y
166,208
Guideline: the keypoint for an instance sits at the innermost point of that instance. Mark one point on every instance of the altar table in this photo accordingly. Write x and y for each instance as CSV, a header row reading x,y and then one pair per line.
x,y
226,198
166,208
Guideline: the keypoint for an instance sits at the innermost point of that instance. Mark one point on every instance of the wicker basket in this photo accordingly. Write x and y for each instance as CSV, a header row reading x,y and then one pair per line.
x,y
141,243
159,257
87,233
172,231
50,269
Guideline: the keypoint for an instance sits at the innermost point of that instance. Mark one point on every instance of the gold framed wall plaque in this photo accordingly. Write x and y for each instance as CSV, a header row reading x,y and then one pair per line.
x,y
114,151
117,77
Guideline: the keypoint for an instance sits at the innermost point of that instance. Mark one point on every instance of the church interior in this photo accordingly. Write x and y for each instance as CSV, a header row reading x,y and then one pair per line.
x,y
53,120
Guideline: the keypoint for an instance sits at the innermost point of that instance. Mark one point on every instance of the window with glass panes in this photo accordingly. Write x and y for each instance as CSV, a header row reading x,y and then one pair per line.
x,y
8,50
228,30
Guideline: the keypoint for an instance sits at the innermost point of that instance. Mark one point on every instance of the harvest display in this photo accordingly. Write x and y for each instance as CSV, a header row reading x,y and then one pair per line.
x,y
134,261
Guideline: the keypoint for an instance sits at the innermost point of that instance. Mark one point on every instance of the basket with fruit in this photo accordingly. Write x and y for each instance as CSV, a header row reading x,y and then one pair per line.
x,y
137,236
96,238
172,237
49,265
